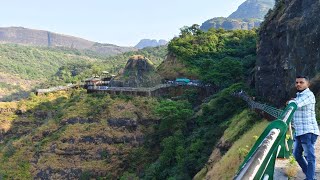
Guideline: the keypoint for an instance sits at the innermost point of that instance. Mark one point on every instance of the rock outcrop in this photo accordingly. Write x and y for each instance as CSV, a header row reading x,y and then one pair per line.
x,y
288,46
256,9
172,68
138,72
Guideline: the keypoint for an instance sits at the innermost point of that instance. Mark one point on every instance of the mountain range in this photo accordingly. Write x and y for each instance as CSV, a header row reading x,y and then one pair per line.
x,y
32,37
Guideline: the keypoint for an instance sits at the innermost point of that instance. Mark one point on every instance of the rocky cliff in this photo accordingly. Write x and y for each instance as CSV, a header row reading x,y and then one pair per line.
x,y
288,46
138,72
253,9
31,37
249,15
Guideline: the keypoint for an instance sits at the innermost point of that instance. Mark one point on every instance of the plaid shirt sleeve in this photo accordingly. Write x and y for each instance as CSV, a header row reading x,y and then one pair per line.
x,y
304,100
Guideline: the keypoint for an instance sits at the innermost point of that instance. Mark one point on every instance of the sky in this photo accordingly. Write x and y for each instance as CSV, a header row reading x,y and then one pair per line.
x,y
120,22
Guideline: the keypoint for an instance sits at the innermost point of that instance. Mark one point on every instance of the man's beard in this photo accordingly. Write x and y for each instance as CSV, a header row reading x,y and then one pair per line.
x,y
299,91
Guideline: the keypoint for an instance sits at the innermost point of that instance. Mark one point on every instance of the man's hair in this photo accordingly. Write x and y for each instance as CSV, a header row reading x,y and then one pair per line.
x,y
301,76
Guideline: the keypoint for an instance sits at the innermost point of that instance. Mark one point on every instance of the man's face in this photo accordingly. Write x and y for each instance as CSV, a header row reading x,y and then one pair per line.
x,y
301,84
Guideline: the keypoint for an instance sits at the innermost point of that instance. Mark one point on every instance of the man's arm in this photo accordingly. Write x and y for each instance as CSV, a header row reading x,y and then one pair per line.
x,y
304,100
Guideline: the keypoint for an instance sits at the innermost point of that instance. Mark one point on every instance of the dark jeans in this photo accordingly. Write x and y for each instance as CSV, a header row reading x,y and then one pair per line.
x,y
307,161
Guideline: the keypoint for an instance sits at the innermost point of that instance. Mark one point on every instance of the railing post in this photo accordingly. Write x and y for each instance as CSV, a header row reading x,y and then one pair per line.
x,y
286,143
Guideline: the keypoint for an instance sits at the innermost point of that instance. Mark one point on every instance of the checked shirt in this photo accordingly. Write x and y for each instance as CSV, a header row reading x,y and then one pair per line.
x,y
304,119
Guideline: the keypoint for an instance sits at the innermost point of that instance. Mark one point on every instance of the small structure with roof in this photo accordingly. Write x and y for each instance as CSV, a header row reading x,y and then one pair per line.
x,y
99,83
92,82
182,81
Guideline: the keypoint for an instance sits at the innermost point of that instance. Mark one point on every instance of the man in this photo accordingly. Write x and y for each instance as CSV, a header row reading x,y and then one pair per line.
x,y
306,127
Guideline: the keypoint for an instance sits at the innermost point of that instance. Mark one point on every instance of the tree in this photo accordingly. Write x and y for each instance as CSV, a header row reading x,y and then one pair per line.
x,y
96,70
192,30
173,114
224,73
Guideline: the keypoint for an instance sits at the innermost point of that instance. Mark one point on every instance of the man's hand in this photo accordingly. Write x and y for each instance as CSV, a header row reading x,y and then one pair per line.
x,y
289,100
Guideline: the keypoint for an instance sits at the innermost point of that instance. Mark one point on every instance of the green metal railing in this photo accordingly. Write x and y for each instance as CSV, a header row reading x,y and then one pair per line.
x,y
272,143
256,105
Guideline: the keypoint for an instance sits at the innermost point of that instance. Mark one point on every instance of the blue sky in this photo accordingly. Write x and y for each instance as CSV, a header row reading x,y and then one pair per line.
x,y
120,22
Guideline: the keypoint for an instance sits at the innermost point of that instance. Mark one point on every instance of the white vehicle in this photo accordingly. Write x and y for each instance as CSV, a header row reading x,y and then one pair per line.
x,y
103,87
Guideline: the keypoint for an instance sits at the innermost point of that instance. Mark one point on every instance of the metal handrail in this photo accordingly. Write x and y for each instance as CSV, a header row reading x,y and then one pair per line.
x,y
256,105
259,163
251,168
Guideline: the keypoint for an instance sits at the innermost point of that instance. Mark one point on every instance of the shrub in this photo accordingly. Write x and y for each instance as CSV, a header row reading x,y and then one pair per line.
x,y
9,150
291,169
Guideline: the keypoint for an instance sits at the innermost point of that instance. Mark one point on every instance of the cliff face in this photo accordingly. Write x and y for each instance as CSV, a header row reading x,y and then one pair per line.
x,y
253,9
19,35
288,46
31,37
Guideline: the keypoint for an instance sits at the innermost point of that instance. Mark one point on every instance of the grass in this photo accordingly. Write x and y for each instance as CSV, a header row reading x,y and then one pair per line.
x,y
244,139
8,105
230,162
18,163
239,124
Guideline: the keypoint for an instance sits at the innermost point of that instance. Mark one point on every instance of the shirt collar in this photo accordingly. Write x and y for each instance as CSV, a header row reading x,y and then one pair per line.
x,y
304,91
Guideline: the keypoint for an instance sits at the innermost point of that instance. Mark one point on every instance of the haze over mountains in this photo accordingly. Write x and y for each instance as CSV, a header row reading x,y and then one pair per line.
x,y
150,43
249,15
32,37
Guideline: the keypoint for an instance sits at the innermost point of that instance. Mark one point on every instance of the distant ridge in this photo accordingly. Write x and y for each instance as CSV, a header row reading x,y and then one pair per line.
x,y
150,43
230,23
32,37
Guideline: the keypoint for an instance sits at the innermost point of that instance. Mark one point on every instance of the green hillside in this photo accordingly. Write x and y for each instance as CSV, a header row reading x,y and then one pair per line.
x,y
43,63
181,134
242,132
120,136
218,57
84,130
23,67
110,136
35,63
